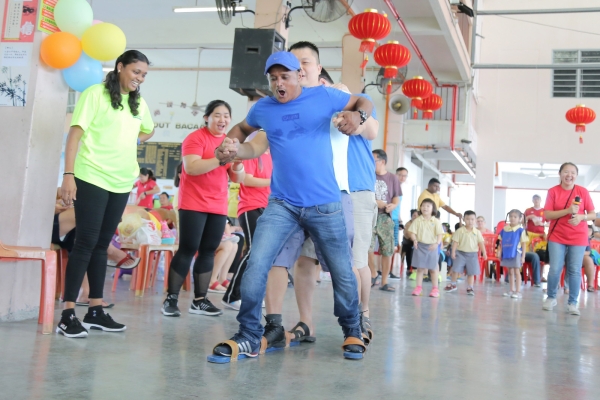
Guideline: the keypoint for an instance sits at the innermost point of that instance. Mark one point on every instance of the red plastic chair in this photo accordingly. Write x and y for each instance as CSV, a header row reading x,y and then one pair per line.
x,y
48,290
528,273
490,249
144,276
62,258
595,245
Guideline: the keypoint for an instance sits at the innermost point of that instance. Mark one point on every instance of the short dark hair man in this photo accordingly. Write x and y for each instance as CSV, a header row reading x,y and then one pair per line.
x,y
432,192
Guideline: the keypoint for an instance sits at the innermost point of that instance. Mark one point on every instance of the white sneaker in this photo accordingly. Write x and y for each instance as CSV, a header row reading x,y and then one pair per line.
x,y
573,310
234,305
549,304
516,295
508,294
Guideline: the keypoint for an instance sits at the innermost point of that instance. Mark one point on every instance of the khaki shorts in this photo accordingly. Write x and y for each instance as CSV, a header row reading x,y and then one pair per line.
x,y
365,218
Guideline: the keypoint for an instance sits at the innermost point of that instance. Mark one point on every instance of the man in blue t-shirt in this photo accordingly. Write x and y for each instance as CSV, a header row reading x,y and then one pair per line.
x,y
304,194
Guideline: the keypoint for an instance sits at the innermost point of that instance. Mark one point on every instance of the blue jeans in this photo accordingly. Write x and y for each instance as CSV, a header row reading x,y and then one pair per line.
x,y
326,226
574,260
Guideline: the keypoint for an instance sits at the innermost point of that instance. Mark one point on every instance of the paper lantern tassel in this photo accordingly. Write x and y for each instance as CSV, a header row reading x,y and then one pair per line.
x,y
367,46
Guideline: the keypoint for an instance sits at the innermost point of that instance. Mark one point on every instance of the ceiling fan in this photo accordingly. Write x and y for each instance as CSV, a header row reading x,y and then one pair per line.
x,y
540,172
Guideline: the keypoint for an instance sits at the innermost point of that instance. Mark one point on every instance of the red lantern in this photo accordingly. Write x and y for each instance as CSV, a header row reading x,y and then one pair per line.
x,y
392,56
580,115
369,27
417,89
429,105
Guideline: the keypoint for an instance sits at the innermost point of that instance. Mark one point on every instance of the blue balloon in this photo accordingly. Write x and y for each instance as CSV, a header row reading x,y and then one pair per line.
x,y
84,73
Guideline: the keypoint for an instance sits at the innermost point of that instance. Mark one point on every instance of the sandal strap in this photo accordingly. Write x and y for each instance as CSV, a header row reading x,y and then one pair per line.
x,y
263,345
235,350
214,285
352,340
304,327
124,260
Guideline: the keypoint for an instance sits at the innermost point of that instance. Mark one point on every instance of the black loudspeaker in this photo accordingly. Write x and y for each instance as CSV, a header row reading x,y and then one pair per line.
x,y
251,49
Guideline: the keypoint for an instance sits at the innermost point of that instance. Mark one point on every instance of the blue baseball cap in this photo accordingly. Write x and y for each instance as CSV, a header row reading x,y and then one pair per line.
x,y
283,58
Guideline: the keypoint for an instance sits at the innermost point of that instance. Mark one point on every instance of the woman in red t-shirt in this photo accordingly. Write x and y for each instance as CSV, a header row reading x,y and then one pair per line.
x,y
146,189
202,209
254,197
568,207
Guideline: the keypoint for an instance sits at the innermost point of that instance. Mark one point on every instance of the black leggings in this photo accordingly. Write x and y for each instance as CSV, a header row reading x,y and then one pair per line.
x,y
98,213
407,249
235,265
198,232
248,223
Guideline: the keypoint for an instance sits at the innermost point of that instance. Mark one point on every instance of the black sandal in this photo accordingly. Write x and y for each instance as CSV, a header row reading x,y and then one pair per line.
x,y
387,288
303,334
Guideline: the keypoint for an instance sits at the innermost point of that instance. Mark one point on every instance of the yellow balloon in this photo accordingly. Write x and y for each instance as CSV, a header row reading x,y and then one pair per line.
x,y
104,41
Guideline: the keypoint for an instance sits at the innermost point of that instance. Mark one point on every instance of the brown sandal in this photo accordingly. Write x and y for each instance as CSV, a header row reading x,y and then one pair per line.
x,y
351,354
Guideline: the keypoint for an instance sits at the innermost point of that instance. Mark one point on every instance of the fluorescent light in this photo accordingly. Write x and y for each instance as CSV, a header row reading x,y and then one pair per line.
x,y
107,69
202,9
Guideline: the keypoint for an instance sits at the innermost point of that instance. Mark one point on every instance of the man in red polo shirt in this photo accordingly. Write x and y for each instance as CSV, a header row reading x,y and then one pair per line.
x,y
534,217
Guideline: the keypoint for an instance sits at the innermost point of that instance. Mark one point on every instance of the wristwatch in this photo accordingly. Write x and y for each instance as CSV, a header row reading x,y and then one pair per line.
x,y
363,116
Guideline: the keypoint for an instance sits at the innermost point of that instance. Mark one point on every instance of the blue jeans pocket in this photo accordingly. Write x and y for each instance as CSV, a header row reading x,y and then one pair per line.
x,y
329,208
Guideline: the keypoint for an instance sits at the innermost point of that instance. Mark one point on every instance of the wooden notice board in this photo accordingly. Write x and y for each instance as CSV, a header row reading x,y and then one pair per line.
x,y
161,157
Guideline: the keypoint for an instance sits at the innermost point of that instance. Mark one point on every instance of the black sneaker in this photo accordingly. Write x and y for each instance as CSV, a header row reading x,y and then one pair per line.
x,y
394,277
169,307
244,345
275,335
97,319
204,307
70,326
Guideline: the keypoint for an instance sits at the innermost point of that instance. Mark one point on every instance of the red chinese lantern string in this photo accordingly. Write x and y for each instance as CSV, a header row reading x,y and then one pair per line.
x,y
369,26
580,116
392,56
417,89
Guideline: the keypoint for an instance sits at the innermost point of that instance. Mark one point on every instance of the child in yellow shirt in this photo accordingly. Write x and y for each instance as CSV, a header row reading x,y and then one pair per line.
x,y
467,242
426,233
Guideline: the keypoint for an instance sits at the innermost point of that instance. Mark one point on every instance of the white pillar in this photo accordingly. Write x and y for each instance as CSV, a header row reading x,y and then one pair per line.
x,y
31,138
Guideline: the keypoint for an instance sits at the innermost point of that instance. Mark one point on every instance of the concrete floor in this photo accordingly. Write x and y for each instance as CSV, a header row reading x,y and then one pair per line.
x,y
455,347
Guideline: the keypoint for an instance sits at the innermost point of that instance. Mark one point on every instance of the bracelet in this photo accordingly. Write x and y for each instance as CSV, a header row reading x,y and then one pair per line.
x,y
69,173
239,171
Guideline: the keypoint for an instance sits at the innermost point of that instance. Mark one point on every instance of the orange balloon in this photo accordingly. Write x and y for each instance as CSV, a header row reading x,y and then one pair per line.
x,y
61,50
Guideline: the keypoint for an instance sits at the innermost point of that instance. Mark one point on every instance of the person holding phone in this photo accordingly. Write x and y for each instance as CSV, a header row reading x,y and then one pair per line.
x,y
568,208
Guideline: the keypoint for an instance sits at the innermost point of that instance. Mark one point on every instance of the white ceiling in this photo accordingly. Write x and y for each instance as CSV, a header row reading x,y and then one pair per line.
x,y
153,24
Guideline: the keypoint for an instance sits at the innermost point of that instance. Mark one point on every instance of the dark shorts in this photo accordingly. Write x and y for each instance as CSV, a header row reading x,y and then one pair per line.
x,y
68,241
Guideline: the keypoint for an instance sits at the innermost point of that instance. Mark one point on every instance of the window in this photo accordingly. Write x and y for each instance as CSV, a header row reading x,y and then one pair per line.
x,y
72,100
576,82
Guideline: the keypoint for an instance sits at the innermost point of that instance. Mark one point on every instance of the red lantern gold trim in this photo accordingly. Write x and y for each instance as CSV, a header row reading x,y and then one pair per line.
x,y
392,56
369,26
417,89
580,115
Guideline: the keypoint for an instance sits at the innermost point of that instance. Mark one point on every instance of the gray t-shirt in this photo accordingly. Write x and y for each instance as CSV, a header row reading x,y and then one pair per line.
x,y
386,188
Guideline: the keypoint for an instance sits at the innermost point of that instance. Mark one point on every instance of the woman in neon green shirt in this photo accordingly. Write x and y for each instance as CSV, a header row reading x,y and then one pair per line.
x,y
107,123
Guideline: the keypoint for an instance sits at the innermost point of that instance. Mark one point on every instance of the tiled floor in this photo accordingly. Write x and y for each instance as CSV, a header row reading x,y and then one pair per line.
x,y
455,347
